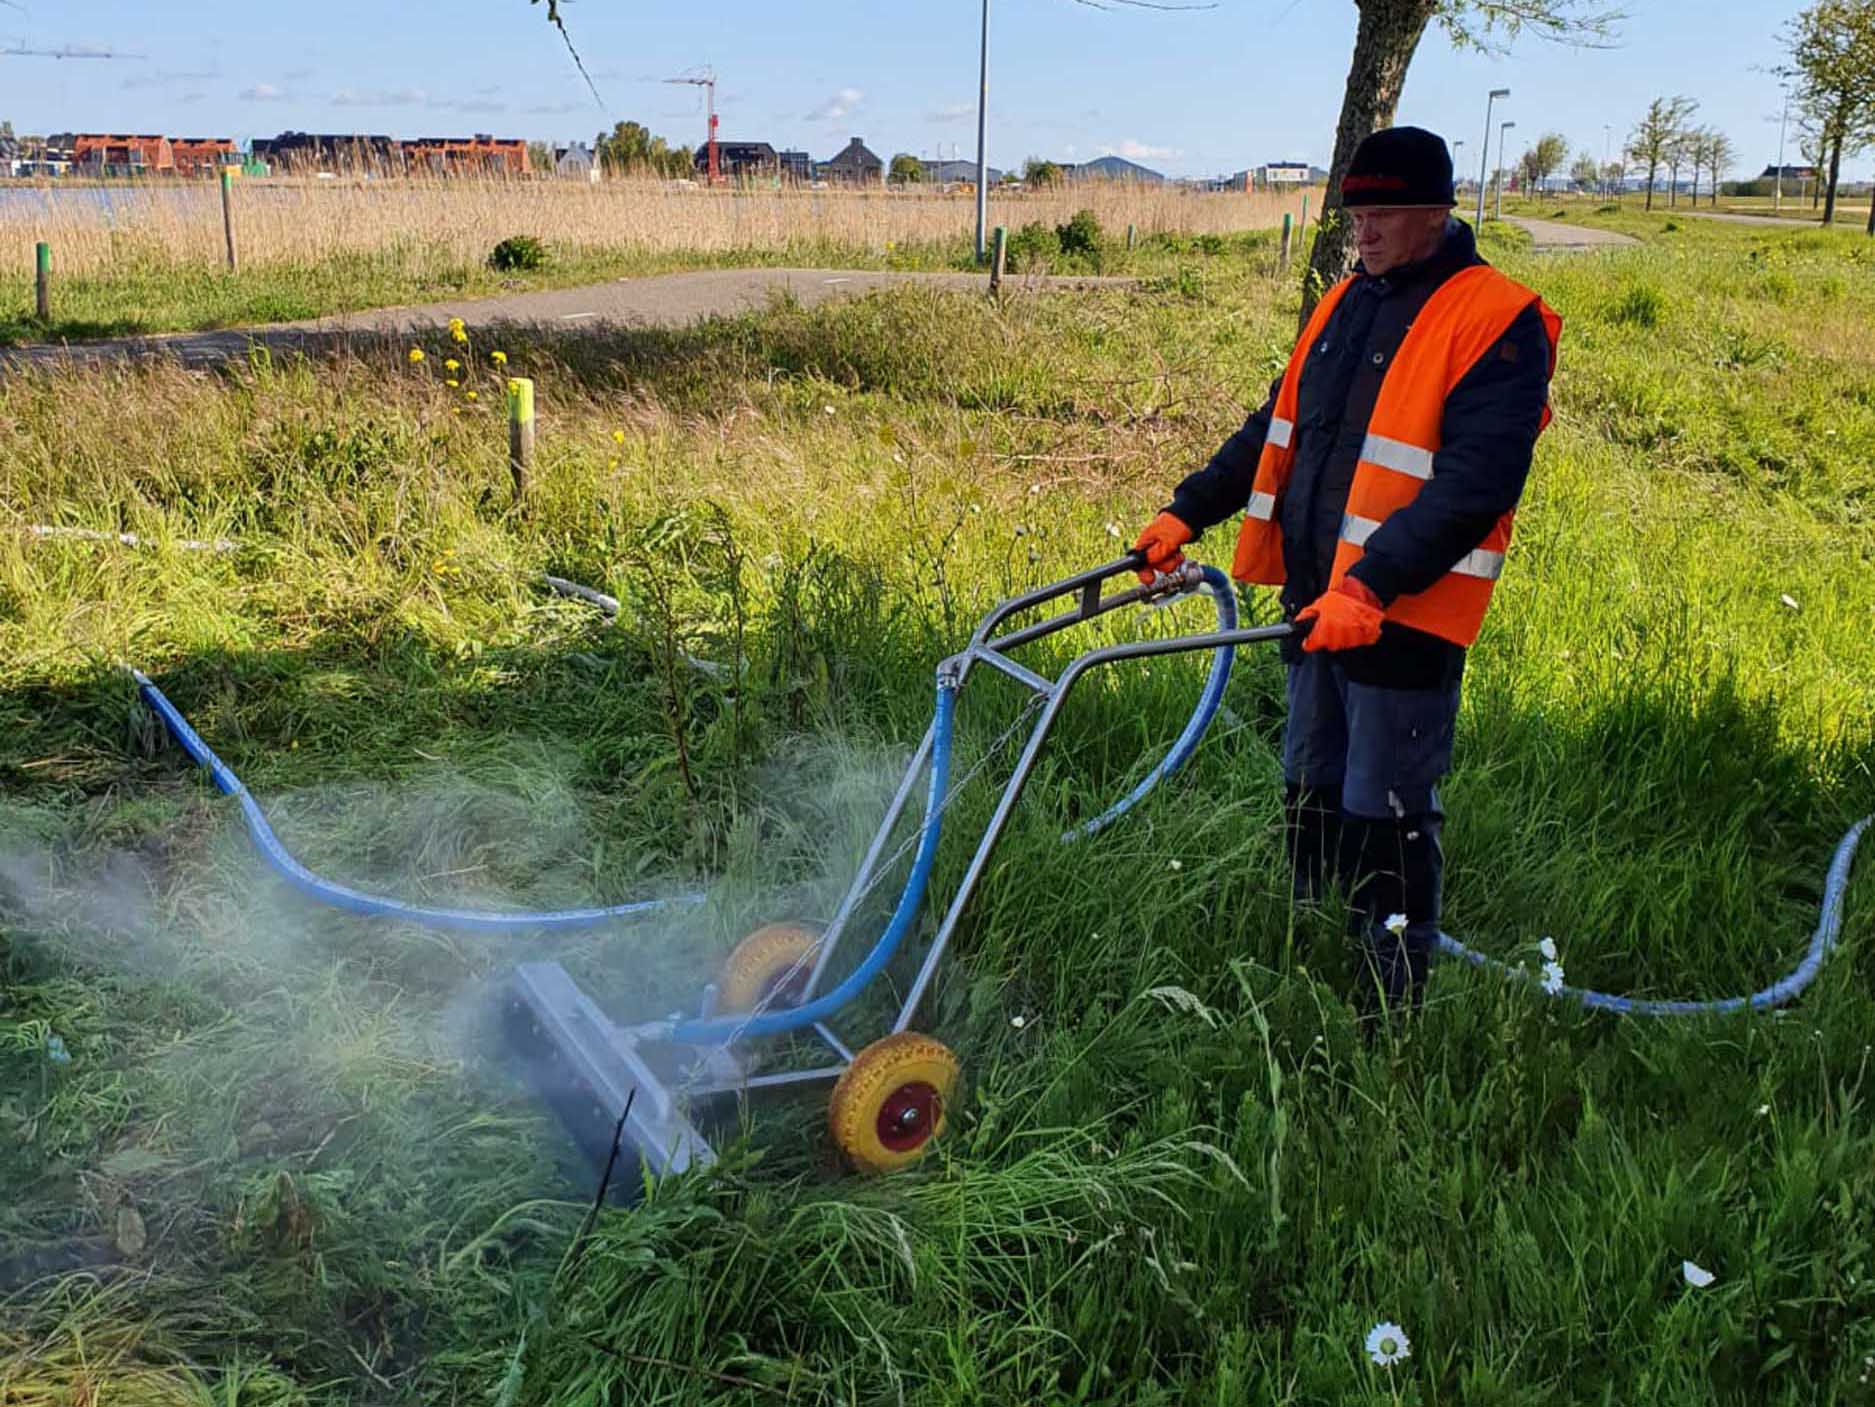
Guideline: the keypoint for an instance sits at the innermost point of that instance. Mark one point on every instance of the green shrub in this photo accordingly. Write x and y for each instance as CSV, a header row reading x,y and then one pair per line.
x,y
1081,235
518,253
1032,246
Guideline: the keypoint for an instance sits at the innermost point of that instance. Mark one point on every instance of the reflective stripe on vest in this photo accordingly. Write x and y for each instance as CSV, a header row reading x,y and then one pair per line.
x,y
1397,455
1479,562
1262,505
1280,433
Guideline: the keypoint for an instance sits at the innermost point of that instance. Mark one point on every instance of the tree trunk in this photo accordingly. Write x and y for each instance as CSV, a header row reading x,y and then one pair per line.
x,y
1673,184
1652,170
1835,167
1384,43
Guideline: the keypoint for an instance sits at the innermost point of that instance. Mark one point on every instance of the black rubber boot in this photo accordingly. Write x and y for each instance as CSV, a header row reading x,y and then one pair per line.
x,y
1398,869
1312,840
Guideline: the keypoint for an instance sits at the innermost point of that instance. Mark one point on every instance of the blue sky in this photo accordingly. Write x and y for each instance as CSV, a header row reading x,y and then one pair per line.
x,y
1193,93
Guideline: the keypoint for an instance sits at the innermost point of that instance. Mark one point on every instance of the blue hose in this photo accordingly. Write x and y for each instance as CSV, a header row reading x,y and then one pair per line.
x,y
354,900
769,1023
1828,927
1208,704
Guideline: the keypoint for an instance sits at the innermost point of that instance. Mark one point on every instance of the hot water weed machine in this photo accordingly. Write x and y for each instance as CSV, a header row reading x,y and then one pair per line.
x,y
642,1087
640,1084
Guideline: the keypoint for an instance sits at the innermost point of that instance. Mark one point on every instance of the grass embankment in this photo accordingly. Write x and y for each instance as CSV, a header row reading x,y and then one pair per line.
x,y
274,1171
129,259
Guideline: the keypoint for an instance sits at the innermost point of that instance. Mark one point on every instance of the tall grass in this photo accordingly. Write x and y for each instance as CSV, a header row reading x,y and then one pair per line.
x,y
303,222
1179,1176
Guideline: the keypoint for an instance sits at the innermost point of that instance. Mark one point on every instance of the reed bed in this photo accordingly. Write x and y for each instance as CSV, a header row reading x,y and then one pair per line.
x,y
303,222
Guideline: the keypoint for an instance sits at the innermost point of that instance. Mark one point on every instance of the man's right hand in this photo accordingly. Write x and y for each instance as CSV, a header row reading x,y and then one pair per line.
x,y
1161,541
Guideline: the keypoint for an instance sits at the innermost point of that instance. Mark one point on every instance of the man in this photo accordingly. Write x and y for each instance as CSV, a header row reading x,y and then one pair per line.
x,y
1378,484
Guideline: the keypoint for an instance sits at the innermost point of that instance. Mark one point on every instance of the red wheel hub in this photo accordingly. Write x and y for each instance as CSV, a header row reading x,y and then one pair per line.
x,y
908,1116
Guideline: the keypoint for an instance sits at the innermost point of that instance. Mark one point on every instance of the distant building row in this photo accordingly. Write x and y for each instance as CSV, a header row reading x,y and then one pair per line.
x,y
152,154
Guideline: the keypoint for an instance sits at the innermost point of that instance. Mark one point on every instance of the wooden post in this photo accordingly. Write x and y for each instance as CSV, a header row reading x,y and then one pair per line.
x,y
42,304
520,431
999,250
1282,260
1130,234
227,212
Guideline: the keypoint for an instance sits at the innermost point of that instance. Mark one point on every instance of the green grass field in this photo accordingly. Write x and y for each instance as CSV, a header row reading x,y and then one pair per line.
x,y
281,1164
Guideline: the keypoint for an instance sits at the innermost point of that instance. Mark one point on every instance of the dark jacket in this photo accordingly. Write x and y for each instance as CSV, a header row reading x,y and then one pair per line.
x,y
1487,434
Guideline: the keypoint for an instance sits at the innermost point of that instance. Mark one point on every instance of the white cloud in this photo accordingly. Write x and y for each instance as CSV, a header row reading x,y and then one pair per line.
x,y
379,97
470,105
263,93
838,106
1138,151
952,112
164,78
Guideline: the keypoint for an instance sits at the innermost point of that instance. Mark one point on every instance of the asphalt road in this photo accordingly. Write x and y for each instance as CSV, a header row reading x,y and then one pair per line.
x,y
1553,237
665,300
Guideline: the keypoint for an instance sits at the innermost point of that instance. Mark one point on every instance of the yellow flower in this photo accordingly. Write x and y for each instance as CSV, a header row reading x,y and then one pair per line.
x,y
471,395
457,330
452,365
618,437
498,358
612,465
452,382
416,355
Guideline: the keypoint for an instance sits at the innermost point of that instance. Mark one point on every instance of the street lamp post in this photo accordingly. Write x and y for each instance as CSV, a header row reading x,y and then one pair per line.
x,y
1484,157
1777,189
1603,183
983,103
1502,129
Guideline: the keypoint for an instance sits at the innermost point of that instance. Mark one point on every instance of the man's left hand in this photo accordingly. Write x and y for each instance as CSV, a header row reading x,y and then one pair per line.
x,y
1346,617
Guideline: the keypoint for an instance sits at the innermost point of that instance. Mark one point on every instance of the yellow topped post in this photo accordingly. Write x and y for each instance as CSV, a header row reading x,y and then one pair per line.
x,y
520,431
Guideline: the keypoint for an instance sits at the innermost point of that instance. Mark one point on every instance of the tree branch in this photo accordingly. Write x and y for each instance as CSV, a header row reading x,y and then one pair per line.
x,y
554,19
1491,26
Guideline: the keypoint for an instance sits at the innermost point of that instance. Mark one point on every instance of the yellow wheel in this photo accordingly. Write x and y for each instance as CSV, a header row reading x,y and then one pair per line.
x,y
768,969
891,1101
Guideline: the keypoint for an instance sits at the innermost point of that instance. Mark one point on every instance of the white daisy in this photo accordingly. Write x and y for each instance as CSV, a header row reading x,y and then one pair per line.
x,y
1696,1276
1396,924
1387,1344
1548,948
1178,864
1018,1021
1552,977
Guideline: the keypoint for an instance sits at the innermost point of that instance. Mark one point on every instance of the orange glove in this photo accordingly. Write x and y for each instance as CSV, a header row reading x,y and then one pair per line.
x,y
1163,536
1345,618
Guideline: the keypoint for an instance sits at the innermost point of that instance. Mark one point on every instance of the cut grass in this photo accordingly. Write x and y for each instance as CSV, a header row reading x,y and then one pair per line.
x,y
1182,1177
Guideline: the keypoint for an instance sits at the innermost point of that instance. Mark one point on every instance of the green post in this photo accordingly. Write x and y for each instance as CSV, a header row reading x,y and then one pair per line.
x,y
999,251
227,212
1282,261
520,431
1131,233
43,302
1305,210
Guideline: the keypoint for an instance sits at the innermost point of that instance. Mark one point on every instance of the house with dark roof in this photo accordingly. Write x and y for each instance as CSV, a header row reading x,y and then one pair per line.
x,y
306,151
854,165
739,159
1112,168
796,166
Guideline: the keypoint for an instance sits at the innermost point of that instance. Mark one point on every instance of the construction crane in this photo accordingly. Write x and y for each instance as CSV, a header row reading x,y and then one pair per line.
x,y
707,82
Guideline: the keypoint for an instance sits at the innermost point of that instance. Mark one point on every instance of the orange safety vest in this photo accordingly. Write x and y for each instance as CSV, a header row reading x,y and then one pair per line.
x,y
1462,320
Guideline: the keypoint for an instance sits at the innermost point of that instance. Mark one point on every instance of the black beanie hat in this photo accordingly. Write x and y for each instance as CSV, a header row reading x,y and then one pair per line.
x,y
1400,166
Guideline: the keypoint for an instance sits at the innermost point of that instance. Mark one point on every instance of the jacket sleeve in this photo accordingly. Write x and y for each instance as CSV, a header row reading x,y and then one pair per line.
x,y
1222,487
1488,430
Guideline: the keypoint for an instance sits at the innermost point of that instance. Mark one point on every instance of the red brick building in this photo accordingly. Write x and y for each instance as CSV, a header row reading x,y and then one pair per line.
x,y
482,154
202,156
120,155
